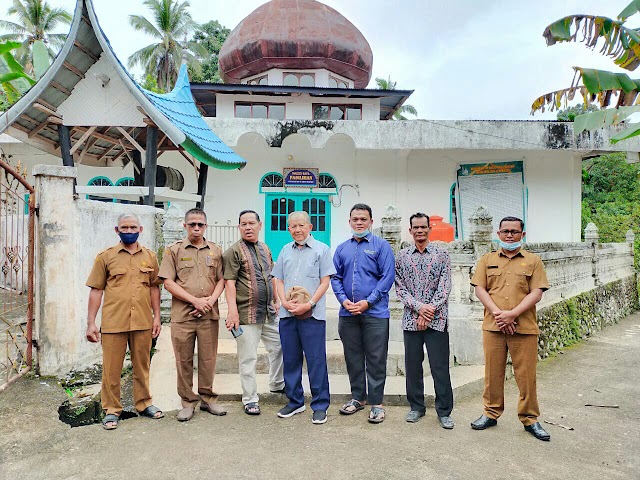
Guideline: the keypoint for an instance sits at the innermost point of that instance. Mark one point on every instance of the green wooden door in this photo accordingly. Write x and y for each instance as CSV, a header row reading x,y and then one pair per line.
x,y
280,205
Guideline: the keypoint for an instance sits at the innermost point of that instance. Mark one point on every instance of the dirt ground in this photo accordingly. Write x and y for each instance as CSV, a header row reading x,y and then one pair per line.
x,y
603,444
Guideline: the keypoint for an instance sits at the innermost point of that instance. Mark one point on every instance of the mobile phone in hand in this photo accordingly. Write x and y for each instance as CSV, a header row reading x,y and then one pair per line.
x,y
236,332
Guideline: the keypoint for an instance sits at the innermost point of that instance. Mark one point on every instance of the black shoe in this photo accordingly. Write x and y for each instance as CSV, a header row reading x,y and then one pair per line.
x,y
537,431
483,422
319,417
282,391
446,422
289,411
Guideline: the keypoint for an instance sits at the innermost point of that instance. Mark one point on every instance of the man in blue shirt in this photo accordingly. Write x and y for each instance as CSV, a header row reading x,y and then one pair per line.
x,y
304,266
365,272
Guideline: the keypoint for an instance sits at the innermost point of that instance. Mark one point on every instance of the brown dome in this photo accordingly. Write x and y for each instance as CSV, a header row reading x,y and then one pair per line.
x,y
296,34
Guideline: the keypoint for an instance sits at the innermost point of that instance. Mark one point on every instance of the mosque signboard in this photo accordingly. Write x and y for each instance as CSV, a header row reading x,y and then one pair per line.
x,y
301,177
497,186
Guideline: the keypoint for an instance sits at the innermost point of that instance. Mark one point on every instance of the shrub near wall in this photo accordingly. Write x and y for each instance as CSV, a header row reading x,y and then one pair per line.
x,y
576,318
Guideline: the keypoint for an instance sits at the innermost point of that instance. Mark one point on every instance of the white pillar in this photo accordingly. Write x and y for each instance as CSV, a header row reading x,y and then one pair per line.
x,y
59,330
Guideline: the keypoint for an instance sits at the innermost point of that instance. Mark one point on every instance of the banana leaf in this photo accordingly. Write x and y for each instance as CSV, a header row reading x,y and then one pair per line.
x,y
618,42
41,60
598,86
602,118
629,10
632,131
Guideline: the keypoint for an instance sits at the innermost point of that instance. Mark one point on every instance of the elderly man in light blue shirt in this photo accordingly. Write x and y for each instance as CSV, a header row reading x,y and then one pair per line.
x,y
305,267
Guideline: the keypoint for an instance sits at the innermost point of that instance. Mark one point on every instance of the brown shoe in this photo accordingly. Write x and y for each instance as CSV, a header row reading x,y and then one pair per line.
x,y
213,408
185,414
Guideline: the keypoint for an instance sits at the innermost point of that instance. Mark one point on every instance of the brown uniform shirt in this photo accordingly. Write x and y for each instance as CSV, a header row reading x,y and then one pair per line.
x,y
508,281
197,270
126,279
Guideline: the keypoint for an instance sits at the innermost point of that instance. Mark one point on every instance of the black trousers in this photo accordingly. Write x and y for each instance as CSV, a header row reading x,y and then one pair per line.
x,y
365,341
438,352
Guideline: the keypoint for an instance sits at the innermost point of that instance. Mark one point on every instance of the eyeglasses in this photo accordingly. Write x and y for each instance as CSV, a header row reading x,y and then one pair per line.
x,y
512,232
196,224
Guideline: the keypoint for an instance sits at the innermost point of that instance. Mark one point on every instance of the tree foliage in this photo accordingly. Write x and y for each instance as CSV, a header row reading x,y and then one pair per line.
x,y
569,114
388,84
210,36
611,198
170,25
13,79
36,23
617,41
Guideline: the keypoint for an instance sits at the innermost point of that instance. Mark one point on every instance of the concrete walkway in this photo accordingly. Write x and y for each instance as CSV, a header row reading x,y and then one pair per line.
x,y
603,444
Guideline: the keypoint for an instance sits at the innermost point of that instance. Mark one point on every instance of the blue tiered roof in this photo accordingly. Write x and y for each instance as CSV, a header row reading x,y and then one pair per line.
x,y
179,107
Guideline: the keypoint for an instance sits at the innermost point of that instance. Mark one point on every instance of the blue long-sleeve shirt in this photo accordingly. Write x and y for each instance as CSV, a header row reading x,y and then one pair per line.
x,y
365,270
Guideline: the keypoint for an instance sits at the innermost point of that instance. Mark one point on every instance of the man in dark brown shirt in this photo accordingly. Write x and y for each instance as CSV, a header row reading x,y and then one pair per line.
x,y
192,273
127,275
251,299
510,283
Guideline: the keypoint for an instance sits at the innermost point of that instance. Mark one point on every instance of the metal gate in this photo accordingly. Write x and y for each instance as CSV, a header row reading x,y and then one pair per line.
x,y
17,263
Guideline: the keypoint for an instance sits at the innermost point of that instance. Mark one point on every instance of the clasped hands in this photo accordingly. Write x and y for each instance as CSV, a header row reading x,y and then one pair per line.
x,y
295,308
201,306
357,308
425,316
506,321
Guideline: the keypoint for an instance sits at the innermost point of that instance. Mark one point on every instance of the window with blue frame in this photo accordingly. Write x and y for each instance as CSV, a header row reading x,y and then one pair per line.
x,y
100,182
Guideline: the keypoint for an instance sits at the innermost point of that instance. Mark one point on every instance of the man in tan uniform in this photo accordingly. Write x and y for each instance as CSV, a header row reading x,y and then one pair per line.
x,y
510,283
192,273
127,275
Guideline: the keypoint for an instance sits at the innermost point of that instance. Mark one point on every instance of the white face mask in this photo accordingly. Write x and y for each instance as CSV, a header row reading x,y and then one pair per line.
x,y
510,246
360,234
304,242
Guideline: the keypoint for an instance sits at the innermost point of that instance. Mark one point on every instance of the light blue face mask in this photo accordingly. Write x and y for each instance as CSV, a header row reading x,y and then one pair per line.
x,y
360,234
510,246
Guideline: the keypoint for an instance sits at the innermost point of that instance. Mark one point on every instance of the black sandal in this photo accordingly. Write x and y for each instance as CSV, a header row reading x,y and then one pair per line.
x,y
111,418
351,407
151,411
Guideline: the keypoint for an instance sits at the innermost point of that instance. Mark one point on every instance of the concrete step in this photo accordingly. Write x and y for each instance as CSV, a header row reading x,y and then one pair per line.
x,y
227,361
467,381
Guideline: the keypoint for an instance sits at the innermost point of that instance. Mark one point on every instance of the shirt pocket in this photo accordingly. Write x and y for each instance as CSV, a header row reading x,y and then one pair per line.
x,y
495,278
523,276
313,268
186,270
145,274
116,277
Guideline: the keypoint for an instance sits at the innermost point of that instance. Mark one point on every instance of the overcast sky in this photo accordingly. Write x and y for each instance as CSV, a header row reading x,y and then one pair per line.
x,y
465,59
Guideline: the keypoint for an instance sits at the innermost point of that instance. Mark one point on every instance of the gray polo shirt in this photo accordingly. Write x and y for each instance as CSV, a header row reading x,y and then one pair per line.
x,y
304,267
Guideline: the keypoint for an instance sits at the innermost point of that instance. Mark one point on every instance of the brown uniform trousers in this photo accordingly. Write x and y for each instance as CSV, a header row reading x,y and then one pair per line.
x,y
508,281
197,271
126,279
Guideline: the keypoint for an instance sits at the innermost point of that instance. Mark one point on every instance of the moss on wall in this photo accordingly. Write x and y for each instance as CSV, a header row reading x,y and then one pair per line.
x,y
576,318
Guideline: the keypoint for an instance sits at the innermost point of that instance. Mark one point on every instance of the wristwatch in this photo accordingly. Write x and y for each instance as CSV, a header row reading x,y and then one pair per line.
x,y
313,304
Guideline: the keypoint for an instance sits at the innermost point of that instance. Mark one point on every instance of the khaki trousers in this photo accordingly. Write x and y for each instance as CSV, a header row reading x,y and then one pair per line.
x,y
247,345
114,348
183,337
524,355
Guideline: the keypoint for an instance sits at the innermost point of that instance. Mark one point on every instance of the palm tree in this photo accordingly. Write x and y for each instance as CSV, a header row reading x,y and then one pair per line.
x,y
387,84
169,23
36,20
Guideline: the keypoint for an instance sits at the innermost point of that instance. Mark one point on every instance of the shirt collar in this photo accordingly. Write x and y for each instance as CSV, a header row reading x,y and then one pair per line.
x,y
121,247
187,243
367,237
426,250
520,253
309,243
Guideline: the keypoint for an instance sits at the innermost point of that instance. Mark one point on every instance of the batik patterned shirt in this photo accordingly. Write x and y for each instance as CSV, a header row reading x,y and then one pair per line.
x,y
424,278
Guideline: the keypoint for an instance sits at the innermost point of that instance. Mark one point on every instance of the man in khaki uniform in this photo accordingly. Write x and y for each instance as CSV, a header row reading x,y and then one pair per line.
x,y
127,275
510,283
192,273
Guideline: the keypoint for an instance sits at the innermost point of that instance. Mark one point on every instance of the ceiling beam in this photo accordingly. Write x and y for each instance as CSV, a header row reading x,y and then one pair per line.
x,y
85,50
36,130
86,135
47,110
60,88
131,140
73,69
